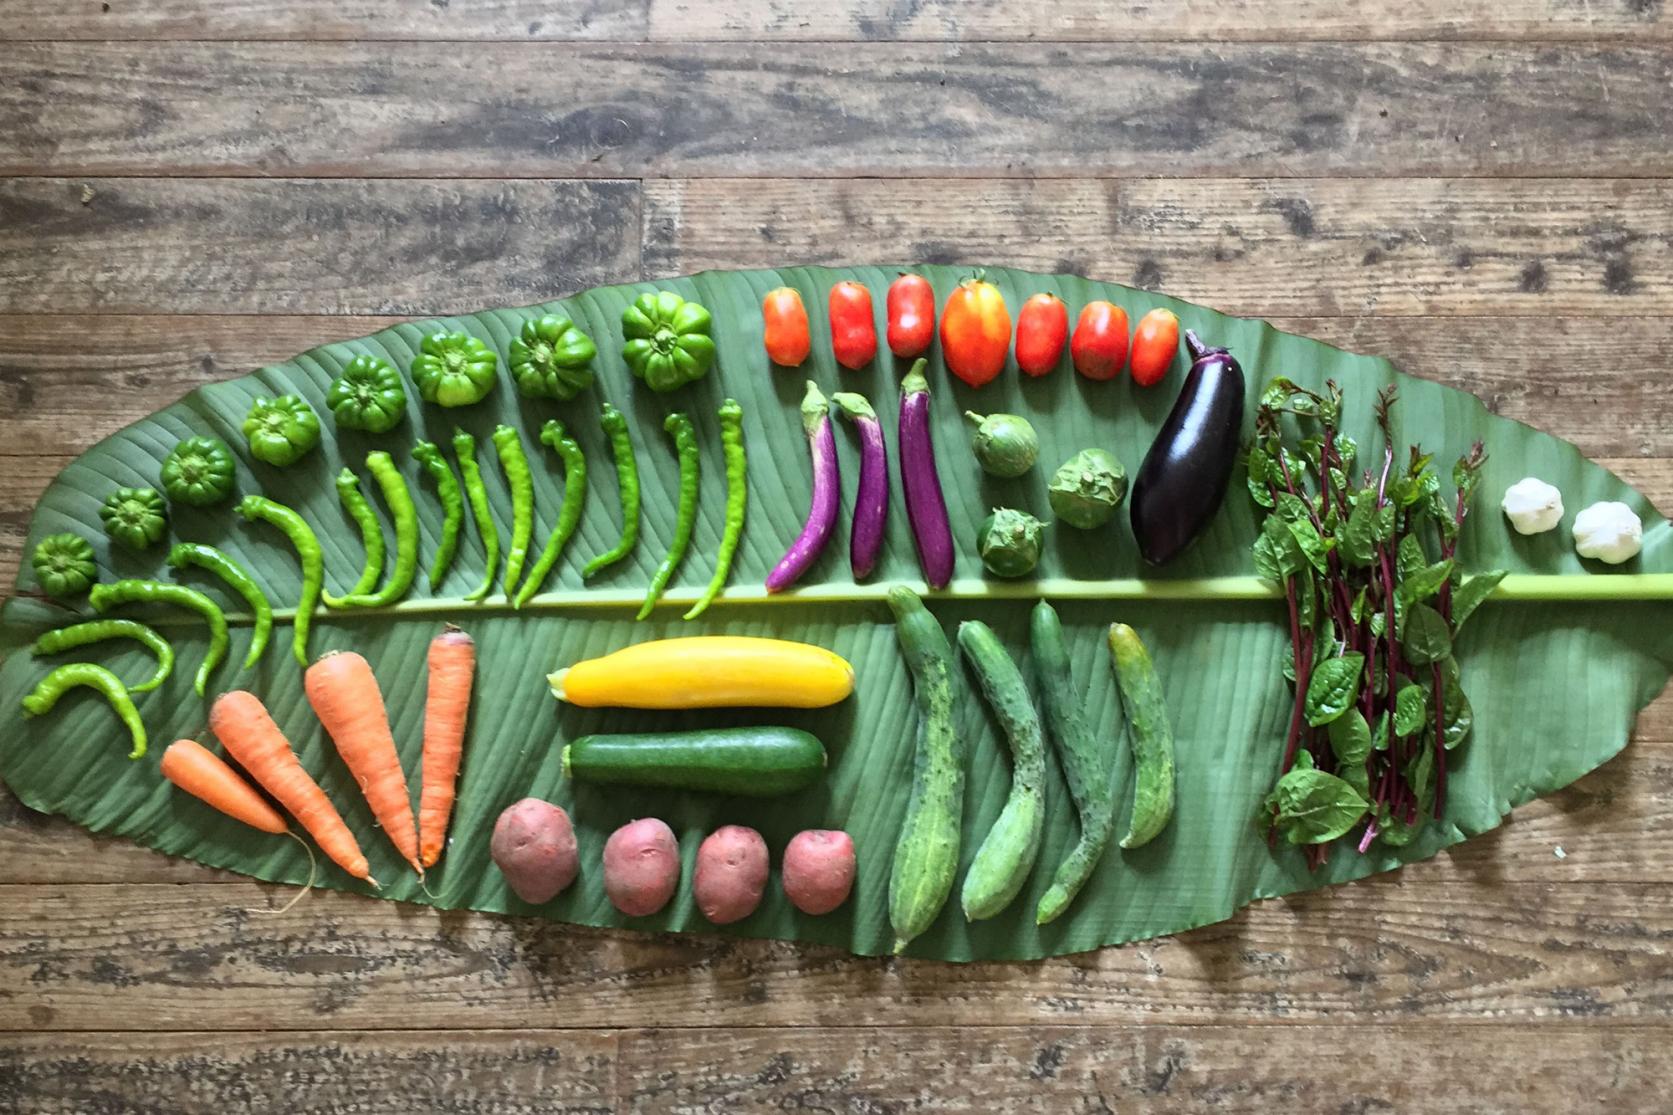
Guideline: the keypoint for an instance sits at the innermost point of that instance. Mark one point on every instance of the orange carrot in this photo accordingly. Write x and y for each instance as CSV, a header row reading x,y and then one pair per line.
x,y
446,704
348,702
241,723
203,774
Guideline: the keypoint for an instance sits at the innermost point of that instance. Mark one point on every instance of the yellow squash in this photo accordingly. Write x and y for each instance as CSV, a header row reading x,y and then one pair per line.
x,y
708,671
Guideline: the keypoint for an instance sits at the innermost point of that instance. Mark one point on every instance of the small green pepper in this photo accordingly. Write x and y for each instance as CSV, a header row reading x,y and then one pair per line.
x,y
135,517
99,630
368,395
64,564
454,369
64,678
199,472
281,431
552,359
114,594
668,343
427,454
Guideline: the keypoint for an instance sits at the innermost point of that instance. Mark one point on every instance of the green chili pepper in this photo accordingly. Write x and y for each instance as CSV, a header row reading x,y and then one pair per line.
x,y
116,593
100,630
368,395
685,444
552,359
737,497
515,462
452,504
627,482
360,509
398,497
568,450
135,517
465,446
64,564
454,369
667,340
281,431
199,472
261,509
239,580
67,677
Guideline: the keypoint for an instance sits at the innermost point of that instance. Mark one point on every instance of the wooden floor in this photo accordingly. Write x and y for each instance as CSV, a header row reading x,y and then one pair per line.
x,y
1481,189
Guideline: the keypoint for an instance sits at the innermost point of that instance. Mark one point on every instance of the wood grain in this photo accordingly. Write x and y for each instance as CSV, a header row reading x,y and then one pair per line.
x,y
833,110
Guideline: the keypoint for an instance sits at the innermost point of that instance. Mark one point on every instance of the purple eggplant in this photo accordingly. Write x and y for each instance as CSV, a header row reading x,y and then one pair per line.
x,y
926,509
871,502
821,516
1184,476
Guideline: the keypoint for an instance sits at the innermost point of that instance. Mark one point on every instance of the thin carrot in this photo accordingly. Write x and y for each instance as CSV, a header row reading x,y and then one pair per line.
x,y
203,774
240,721
446,705
347,700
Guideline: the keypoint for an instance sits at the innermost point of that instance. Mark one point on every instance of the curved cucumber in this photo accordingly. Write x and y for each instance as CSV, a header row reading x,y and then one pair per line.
x,y
756,762
1152,738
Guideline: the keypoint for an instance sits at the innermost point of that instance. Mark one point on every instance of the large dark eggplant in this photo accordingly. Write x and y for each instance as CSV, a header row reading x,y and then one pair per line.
x,y
1184,476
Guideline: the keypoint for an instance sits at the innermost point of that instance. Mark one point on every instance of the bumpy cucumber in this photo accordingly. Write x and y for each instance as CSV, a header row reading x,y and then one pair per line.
x,y
756,762
1007,854
926,855
1088,763
1151,737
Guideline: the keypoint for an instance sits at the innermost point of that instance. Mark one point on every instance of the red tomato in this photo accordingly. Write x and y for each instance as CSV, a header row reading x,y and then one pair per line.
x,y
853,330
784,319
975,332
1155,343
911,306
1042,331
1099,348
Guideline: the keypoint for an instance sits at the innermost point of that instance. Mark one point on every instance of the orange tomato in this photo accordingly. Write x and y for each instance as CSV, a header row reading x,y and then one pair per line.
x,y
1155,343
1099,347
911,308
1042,331
853,330
975,332
785,332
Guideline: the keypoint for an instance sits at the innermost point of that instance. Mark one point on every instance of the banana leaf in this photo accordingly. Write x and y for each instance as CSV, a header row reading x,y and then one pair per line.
x,y
1556,667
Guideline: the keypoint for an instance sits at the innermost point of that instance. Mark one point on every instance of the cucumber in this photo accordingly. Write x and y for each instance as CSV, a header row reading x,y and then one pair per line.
x,y
926,854
1088,763
754,762
1007,853
1151,737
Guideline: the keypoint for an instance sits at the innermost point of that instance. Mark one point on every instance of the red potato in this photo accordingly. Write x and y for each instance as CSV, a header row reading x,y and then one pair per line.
x,y
534,848
641,867
731,874
818,870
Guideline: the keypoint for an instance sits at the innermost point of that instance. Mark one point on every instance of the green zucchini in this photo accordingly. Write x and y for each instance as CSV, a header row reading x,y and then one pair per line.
x,y
1007,853
1149,733
754,762
1088,763
926,855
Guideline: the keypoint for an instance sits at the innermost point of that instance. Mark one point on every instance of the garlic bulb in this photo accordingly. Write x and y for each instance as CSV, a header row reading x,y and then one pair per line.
x,y
1532,506
1609,532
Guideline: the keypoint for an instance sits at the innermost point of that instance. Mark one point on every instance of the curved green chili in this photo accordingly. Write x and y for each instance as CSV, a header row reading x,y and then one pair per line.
x,y
67,677
465,446
452,505
261,509
554,435
239,580
360,509
737,502
685,445
515,463
398,497
99,630
113,594
627,481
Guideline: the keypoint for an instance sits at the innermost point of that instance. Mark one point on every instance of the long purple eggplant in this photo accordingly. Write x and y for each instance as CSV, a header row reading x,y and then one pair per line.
x,y
1184,476
822,514
871,502
926,509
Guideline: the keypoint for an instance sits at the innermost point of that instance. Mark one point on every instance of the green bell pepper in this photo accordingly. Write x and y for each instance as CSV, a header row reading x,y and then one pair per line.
x,y
552,359
64,564
199,472
668,343
135,517
368,395
281,430
454,369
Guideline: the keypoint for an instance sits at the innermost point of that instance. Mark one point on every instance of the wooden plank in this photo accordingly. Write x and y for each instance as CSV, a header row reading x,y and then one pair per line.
x,y
444,1071
1391,949
833,110
308,246
1261,247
